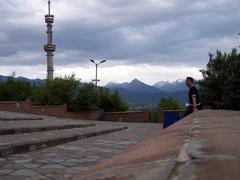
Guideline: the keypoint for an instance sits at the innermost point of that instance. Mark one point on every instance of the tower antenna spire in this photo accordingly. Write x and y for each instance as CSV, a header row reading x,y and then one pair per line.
x,y
49,7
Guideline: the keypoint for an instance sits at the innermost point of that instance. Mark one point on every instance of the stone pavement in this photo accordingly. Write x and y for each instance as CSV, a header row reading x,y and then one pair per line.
x,y
65,160
203,146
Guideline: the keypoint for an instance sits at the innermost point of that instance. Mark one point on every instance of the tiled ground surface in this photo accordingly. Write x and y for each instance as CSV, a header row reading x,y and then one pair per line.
x,y
63,161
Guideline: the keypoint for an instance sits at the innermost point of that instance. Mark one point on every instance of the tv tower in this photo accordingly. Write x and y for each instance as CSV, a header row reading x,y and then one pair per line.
x,y
49,47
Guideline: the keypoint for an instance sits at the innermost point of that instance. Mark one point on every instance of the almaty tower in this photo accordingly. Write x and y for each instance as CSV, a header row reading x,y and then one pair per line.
x,y
49,47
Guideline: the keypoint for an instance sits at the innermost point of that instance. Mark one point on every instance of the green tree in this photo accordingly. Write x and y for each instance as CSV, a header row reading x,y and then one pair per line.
x,y
14,90
56,91
79,97
111,102
90,98
86,99
168,104
118,104
220,85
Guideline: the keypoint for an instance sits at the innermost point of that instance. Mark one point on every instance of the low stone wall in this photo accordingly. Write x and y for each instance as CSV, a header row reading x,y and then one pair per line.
x,y
94,115
62,112
56,111
15,106
141,116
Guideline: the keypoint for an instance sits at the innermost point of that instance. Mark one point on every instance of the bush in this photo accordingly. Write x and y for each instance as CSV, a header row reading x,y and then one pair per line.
x,y
153,116
79,97
86,99
14,90
90,98
55,92
111,102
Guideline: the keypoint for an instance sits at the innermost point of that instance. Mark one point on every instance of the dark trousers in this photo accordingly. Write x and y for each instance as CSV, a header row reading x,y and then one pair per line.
x,y
189,110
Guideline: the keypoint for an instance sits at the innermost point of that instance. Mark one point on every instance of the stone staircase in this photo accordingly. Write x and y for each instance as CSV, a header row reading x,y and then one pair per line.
x,y
22,132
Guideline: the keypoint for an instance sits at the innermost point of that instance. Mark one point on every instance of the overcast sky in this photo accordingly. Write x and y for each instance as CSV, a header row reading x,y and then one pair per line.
x,y
152,40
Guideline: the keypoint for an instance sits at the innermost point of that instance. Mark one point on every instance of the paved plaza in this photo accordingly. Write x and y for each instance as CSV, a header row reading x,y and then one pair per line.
x,y
203,146
95,142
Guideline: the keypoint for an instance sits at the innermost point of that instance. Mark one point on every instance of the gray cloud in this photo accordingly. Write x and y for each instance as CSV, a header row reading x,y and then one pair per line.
x,y
167,32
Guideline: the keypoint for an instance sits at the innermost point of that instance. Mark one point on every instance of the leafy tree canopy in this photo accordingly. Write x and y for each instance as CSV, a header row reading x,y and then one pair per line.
x,y
220,87
60,90
12,90
168,104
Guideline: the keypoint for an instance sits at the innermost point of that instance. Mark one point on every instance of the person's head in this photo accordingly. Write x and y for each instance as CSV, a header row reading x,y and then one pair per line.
x,y
189,81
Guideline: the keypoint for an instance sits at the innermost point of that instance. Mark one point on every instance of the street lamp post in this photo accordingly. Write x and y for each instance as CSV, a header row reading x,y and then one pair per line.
x,y
96,65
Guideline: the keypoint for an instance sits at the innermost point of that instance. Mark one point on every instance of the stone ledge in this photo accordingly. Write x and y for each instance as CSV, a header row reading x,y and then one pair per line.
x,y
20,119
204,145
21,130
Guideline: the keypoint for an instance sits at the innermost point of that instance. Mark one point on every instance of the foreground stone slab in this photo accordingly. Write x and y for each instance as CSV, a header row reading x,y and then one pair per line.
x,y
204,145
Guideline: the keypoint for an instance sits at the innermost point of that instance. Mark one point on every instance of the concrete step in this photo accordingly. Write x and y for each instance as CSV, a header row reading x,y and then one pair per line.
x,y
18,143
21,130
12,116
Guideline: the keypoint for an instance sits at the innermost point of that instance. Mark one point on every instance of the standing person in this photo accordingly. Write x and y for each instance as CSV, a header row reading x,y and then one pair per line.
x,y
194,100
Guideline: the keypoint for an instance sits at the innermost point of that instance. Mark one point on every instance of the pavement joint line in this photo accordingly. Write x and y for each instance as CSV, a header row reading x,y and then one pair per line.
x,y
9,161
35,144
19,164
23,130
24,167
183,156
45,176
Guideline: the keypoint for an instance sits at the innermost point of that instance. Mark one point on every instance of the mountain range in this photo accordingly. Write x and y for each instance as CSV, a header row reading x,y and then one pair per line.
x,y
139,93
136,92
20,78
178,85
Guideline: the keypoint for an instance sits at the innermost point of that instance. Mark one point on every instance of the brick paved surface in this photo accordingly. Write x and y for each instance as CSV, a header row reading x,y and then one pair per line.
x,y
66,160
203,146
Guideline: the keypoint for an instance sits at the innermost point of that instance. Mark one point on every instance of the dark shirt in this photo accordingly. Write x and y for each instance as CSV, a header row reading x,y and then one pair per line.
x,y
193,91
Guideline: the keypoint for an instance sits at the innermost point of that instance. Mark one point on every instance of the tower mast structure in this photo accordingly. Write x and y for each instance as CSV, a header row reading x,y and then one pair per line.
x,y
49,48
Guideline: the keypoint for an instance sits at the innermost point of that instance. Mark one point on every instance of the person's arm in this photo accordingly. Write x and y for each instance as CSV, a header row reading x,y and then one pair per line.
x,y
194,102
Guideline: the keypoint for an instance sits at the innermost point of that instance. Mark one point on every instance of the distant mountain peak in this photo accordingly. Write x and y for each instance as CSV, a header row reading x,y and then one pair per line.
x,y
136,81
171,86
